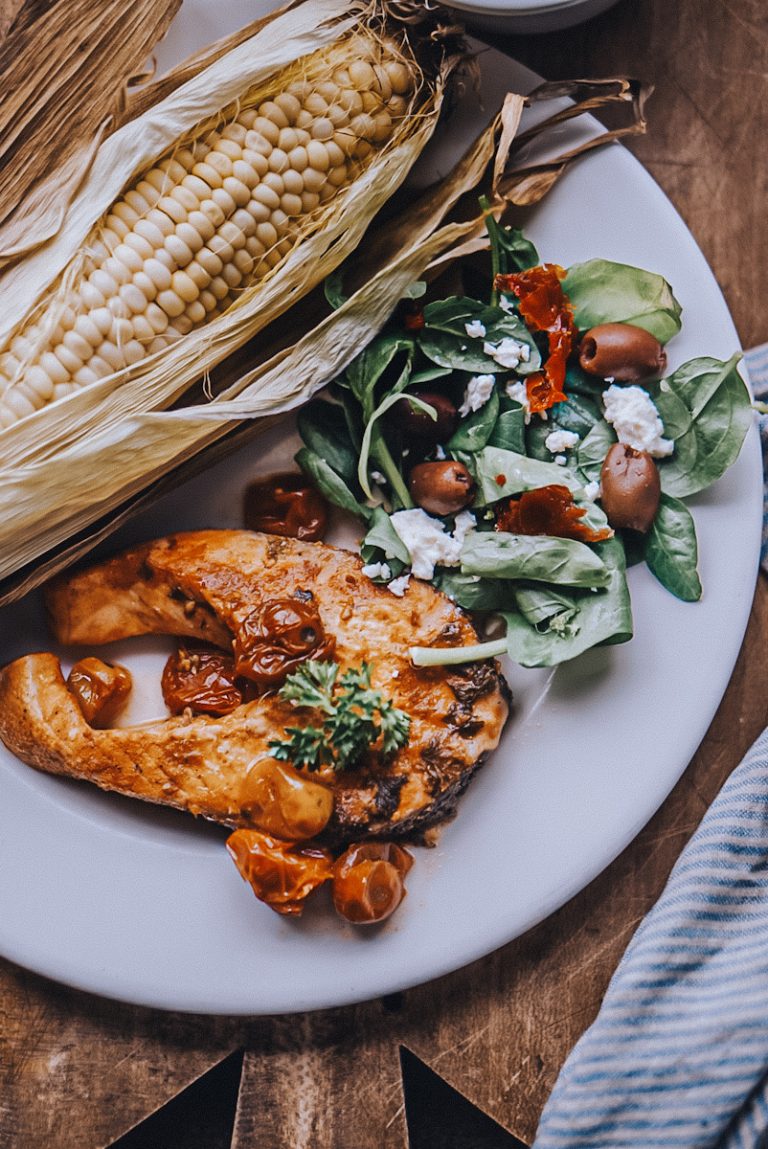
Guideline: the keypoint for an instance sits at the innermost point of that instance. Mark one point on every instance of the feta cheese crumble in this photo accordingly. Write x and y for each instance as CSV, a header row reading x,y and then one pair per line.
x,y
377,570
427,541
478,392
378,478
399,586
509,352
636,421
558,441
519,393
475,329
592,491
560,460
507,304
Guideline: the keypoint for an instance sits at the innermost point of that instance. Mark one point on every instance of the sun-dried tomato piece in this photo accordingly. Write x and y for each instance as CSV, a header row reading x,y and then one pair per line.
x,y
275,638
202,679
549,511
280,874
544,307
100,688
288,505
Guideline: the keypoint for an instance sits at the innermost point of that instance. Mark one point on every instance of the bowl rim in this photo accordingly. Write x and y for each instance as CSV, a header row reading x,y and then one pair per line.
x,y
517,7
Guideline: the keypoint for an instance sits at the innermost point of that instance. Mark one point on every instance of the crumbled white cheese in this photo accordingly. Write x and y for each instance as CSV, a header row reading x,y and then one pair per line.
x,y
427,540
558,441
592,491
463,524
440,453
509,352
636,421
378,478
395,674
475,329
519,393
377,570
560,460
506,304
399,586
478,392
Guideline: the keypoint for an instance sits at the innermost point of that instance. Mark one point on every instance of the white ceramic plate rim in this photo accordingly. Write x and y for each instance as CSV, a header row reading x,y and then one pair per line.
x,y
119,899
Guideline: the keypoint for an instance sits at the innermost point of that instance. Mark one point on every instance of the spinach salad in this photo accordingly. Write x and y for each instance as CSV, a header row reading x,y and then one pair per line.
x,y
474,437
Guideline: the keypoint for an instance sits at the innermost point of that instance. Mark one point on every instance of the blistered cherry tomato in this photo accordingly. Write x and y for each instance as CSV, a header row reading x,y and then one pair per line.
x,y
276,637
280,800
201,678
368,881
630,488
280,874
623,352
441,488
288,505
100,688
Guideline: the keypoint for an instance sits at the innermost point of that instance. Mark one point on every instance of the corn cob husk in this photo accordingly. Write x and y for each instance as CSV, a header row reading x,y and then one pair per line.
x,y
130,443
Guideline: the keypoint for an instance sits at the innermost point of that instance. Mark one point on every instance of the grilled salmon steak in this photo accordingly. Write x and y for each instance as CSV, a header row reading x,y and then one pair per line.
x,y
211,586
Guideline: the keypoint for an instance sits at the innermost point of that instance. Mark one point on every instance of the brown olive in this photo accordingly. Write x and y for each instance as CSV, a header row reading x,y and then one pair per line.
x,y
368,881
441,488
630,487
100,689
623,352
417,426
280,800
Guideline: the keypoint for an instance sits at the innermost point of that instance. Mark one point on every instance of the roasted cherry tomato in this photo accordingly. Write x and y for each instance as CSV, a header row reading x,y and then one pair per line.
x,y
368,881
276,637
286,504
201,678
280,800
100,689
280,874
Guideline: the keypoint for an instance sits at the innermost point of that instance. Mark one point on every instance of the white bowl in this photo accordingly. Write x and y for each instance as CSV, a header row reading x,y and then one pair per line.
x,y
527,15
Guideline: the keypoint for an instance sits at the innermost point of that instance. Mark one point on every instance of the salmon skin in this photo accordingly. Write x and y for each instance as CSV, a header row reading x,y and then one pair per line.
x,y
202,585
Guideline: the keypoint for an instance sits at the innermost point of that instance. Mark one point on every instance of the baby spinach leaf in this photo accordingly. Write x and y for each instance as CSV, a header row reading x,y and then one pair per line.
x,y
579,414
546,608
475,593
509,432
671,551
593,618
721,413
330,484
673,412
541,558
601,291
382,536
444,338
474,431
367,368
323,428
333,289
593,449
500,473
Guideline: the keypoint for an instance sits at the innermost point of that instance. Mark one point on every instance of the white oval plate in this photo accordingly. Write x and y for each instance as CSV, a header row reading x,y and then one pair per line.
x,y
144,904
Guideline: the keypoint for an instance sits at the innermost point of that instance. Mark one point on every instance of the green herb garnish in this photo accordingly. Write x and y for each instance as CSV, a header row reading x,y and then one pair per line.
x,y
356,718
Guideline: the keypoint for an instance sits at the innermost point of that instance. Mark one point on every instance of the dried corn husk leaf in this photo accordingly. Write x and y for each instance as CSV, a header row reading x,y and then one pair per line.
x,y
159,379
70,66
527,184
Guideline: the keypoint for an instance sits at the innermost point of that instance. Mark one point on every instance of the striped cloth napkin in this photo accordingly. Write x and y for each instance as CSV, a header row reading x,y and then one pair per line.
x,y
678,1055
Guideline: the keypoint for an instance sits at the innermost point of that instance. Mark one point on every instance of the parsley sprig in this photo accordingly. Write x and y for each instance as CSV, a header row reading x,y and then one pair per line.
x,y
355,717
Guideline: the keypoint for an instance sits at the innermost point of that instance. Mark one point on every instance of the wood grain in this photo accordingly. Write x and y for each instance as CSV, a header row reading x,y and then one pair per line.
x,y
78,1071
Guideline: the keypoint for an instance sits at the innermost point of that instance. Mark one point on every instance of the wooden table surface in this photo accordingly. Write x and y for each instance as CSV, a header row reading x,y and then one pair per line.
x,y
76,1070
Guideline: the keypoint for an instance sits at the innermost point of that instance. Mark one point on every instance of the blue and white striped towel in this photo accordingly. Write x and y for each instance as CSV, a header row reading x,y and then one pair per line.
x,y
678,1055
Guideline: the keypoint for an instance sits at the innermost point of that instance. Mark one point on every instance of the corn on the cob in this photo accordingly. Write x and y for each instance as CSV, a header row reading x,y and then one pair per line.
x,y
212,217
